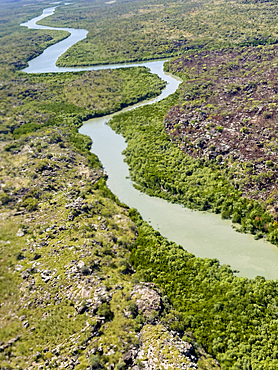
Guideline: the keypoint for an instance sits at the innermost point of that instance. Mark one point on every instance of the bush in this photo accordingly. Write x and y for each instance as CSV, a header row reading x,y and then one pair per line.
x,y
121,366
105,311
30,204
5,199
95,362
81,142
132,308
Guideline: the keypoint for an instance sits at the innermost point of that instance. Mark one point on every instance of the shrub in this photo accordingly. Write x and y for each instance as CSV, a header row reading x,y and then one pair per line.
x,y
30,204
95,362
219,128
105,311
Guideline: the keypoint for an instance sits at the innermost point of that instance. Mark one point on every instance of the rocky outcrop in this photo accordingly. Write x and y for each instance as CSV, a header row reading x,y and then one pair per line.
x,y
228,113
160,349
77,306
4,346
147,299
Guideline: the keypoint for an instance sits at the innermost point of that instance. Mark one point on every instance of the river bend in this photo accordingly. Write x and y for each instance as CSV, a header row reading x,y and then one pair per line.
x,y
204,234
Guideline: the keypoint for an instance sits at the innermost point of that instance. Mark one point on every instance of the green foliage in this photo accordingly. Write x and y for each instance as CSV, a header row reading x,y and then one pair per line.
x,y
219,128
26,129
121,366
160,168
135,215
132,308
32,102
105,311
5,199
95,362
134,31
30,204
106,192
234,318
81,142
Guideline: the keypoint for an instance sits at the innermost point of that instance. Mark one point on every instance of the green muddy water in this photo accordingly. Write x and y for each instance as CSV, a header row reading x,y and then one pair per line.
x,y
204,234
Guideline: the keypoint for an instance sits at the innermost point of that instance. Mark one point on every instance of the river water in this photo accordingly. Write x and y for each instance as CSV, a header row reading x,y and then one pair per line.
x,y
204,234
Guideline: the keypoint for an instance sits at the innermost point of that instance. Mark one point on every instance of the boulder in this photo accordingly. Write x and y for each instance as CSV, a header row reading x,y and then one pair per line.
x,y
147,299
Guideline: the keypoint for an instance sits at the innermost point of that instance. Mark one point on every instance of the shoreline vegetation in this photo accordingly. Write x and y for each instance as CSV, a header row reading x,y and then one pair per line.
x,y
137,31
85,283
71,98
177,177
248,194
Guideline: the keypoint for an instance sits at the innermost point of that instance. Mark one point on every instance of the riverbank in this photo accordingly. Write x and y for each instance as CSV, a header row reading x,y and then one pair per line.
x,y
69,295
214,238
78,267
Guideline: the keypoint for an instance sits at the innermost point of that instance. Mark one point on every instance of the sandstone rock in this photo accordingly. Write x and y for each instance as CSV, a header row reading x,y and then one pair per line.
x,y
25,274
161,349
80,264
20,232
9,343
37,355
18,267
129,357
82,309
25,324
47,275
146,298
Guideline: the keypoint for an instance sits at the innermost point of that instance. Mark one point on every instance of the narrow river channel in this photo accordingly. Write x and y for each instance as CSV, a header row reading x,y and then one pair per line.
x,y
204,234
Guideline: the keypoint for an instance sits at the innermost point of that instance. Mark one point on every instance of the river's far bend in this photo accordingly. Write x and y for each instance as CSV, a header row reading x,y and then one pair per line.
x,y
203,234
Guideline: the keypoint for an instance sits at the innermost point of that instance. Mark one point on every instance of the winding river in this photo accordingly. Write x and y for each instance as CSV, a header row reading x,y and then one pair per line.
x,y
204,234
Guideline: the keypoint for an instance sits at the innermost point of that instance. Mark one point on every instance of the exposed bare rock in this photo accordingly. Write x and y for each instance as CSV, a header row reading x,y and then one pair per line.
x,y
9,343
160,349
20,233
229,114
47,275
147,299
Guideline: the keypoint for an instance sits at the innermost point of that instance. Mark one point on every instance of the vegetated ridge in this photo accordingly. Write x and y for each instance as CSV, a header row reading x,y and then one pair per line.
x,y
69,295
151,29
78,267
228,113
